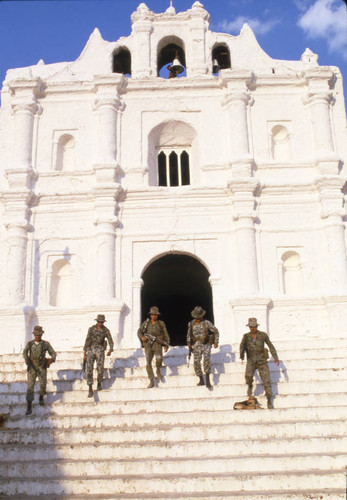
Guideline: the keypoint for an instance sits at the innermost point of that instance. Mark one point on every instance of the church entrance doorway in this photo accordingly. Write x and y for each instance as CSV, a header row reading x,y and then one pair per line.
x,y
176,283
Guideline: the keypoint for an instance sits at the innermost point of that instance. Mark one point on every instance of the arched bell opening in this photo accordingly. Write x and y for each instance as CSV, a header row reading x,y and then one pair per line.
x,y
122,61
176,283
220,58
171,54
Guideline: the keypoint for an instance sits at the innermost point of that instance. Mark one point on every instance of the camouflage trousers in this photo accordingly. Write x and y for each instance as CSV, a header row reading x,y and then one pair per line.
x,y
41,374
156,350
264,373
95,352
202,351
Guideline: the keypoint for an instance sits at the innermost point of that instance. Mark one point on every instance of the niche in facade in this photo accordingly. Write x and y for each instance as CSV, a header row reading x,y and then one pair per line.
x,y
220,58
122,61
280,143
292,273
169,49
61,286
65,159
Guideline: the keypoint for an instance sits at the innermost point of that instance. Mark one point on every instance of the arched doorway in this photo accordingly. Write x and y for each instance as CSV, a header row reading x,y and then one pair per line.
x,y
176,283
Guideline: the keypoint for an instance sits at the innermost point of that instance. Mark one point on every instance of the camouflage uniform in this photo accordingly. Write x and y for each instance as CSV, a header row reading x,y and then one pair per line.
x,y
94,346
256,358
199,336
158,329
34,355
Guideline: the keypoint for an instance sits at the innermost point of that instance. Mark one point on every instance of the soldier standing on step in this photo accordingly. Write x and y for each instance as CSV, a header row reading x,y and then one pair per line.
x,y
201,335
252,343
94,349
153,348
37,363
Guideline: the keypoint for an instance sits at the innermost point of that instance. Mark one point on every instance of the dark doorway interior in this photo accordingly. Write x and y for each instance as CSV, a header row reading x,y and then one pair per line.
x,y
176,283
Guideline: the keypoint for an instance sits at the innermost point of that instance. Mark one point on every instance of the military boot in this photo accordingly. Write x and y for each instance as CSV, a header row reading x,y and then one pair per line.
x,y
29,411
201,380
99,386
41,401
159,375
269,402
90,392
249,390
151,384
208,383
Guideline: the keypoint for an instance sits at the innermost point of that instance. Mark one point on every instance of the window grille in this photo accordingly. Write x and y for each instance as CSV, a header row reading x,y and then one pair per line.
x,y
173,168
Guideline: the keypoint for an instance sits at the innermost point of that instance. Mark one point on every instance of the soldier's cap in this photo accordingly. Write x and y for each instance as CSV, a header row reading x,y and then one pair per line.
x,y
198,312
154,310
38,330
252,322
100,318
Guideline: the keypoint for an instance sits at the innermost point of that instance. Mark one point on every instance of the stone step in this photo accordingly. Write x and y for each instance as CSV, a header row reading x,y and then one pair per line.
x,y
163,391
179,356
65,417
237,370
171,433
224,380
331,494
202,401
160,449
304,343
127,484
109,467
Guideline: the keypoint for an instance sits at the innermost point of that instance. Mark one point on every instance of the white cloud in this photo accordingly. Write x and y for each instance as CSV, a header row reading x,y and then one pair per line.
x,y
327,19
259,27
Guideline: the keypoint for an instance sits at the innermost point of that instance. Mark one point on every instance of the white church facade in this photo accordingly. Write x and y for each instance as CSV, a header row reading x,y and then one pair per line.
x,y
222,187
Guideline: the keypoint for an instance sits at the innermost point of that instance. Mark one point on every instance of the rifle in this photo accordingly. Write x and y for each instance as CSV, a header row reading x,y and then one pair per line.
x,y
190,350
84,364
152,339
30,364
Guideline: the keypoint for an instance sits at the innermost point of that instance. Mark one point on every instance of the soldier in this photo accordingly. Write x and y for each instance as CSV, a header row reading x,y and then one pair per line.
x,y
252,343
34,355
156,328
201,335
94,349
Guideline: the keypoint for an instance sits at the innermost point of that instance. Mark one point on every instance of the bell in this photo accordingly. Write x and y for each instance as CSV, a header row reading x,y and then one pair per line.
x,y
177,66
215,66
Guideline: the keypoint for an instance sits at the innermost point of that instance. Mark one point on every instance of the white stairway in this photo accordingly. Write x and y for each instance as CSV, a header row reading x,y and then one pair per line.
x,y
178,440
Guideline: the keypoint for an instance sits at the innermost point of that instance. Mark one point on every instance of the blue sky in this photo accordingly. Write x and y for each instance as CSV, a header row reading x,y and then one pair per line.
x,y
57,30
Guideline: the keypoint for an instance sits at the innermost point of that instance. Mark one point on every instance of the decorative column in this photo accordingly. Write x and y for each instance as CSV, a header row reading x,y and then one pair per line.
x,y
236,101
319,99
199,22
20,178
142,28
244,215
106,190
331,197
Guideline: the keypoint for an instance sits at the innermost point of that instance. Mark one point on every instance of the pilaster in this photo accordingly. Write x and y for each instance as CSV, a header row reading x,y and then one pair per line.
x,y
319,99
236,101
199,19
332,213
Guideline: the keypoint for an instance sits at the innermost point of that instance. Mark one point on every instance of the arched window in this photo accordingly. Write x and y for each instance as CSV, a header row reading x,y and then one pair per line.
x,y
122,61
65,153
292,273
173,168
169,50
61,287
220,58
280,143
172,155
